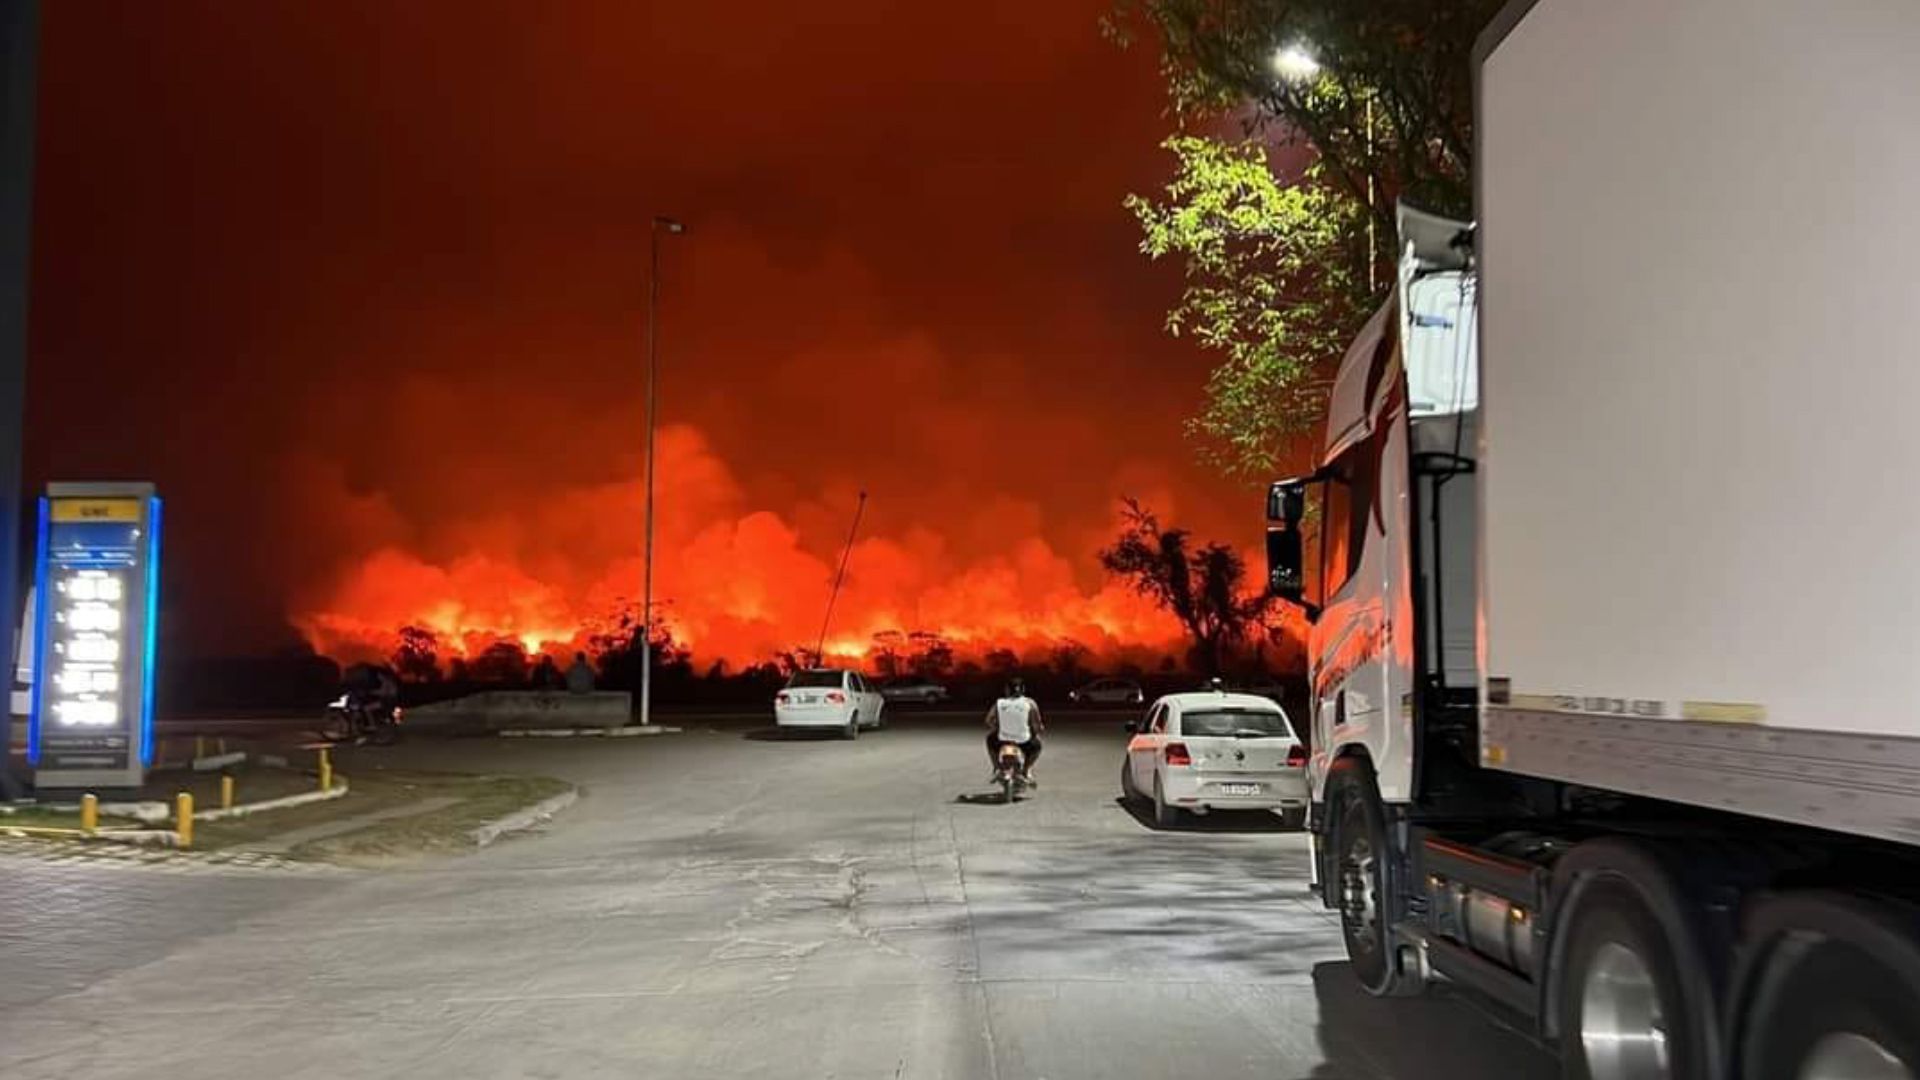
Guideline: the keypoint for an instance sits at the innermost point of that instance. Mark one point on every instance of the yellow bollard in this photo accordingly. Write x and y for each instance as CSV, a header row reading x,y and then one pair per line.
x,y
326,770
226,792
89,813
183,815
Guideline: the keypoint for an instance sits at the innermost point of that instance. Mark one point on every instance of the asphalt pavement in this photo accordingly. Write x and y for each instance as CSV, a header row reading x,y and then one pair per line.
x,y
723,903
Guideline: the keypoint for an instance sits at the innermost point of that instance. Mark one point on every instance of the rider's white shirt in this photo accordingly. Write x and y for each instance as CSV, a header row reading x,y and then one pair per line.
x,y
1016,718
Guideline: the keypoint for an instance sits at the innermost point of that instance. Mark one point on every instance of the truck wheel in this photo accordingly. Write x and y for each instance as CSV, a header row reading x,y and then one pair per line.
x,y
1366,883
1833,1013
1622,1012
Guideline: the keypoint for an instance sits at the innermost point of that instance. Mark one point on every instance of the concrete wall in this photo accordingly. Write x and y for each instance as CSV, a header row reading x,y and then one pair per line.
x,y
498,710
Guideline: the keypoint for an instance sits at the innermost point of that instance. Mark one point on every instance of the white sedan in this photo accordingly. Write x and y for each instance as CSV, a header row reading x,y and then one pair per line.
x,y
1215,750
829,699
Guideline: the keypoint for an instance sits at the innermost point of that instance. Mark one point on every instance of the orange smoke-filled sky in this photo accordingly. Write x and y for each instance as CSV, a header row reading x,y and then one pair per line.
x,y
361,285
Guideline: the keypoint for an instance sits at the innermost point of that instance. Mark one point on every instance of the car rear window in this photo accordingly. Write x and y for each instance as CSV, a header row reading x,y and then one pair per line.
x,y
1248,723
814,680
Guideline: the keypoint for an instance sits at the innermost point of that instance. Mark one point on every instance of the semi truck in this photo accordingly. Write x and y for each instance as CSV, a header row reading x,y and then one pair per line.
x,y
1611,557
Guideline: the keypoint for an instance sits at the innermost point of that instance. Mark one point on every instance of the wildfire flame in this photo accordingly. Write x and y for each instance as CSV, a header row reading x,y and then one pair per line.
x,y
731,583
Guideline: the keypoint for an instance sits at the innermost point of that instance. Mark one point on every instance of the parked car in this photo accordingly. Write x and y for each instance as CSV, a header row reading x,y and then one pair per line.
x,y
1108,692
829,698
1215,750
914,691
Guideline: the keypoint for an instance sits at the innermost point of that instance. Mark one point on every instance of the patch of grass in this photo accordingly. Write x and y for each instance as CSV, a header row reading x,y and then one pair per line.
x,y
443,831
251,784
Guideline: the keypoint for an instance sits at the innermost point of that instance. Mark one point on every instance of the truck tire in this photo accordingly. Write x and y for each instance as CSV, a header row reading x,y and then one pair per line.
x,y
1835,1012
1623,1012
1832,989
1366,880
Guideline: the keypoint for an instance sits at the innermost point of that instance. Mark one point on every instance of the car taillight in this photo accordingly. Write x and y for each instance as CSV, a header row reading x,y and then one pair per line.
x,y
781,698
1177,754
836,697
1296,754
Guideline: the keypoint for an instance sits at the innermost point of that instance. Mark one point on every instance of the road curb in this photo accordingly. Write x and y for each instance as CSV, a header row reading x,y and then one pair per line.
x,y
522,820
628,732
338,789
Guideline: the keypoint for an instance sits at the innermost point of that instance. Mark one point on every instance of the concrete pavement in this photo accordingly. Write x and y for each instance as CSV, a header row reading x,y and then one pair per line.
x,y
722,904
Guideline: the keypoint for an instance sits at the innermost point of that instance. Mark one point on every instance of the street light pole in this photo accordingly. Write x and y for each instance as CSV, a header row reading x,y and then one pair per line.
x,y
653,386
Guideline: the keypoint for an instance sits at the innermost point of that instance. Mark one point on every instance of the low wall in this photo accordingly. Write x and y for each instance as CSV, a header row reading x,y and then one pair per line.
x,y
497,710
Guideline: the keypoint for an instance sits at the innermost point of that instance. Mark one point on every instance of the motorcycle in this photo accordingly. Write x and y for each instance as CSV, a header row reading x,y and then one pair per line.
x,y
358,720
1011,771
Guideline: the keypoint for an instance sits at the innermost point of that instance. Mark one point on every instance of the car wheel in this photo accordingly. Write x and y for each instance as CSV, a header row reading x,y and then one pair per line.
x,y
853,726
1126,781
1165,815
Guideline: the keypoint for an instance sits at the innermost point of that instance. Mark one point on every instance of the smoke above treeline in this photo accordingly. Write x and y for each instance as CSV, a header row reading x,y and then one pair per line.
x,y
361,286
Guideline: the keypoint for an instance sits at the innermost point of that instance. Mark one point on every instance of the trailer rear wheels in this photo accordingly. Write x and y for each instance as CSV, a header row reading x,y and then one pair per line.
x,y
1366,880
1833,1012
1622,1009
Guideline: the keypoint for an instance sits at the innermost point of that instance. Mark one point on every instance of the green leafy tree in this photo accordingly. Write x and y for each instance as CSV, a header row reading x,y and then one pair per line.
x,y
1274,288
1386,102
1203,586
1282,272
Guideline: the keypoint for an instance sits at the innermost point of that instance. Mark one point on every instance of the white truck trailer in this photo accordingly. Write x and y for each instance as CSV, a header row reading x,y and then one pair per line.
x,y
1614,568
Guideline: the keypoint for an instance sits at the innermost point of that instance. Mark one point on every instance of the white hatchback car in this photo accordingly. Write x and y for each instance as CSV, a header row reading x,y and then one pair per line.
x,y
824,698
1215,750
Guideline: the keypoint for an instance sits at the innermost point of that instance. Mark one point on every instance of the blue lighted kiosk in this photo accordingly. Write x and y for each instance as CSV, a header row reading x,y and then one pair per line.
x,y
97,576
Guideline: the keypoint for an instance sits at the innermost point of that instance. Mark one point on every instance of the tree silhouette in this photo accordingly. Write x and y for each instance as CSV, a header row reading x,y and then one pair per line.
x,y
417,658
1201,587
888,654
1069,660
503,663
931,656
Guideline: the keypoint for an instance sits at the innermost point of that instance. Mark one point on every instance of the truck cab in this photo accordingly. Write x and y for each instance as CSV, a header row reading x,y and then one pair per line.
x,y
1377,543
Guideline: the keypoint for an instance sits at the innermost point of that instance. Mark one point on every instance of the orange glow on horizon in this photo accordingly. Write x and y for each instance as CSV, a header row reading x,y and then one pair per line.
x,y
732,584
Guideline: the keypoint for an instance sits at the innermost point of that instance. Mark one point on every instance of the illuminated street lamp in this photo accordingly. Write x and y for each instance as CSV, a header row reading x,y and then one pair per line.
x,y
1295,63
660,225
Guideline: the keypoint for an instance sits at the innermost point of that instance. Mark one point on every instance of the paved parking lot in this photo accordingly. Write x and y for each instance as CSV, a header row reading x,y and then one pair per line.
x,y
724,904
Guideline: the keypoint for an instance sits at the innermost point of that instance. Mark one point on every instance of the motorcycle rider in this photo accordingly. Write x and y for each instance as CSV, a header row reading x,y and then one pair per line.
x,y
372,691
1015,718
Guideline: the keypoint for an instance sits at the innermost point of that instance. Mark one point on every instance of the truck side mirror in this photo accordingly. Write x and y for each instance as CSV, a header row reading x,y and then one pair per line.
x,y
1286,556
